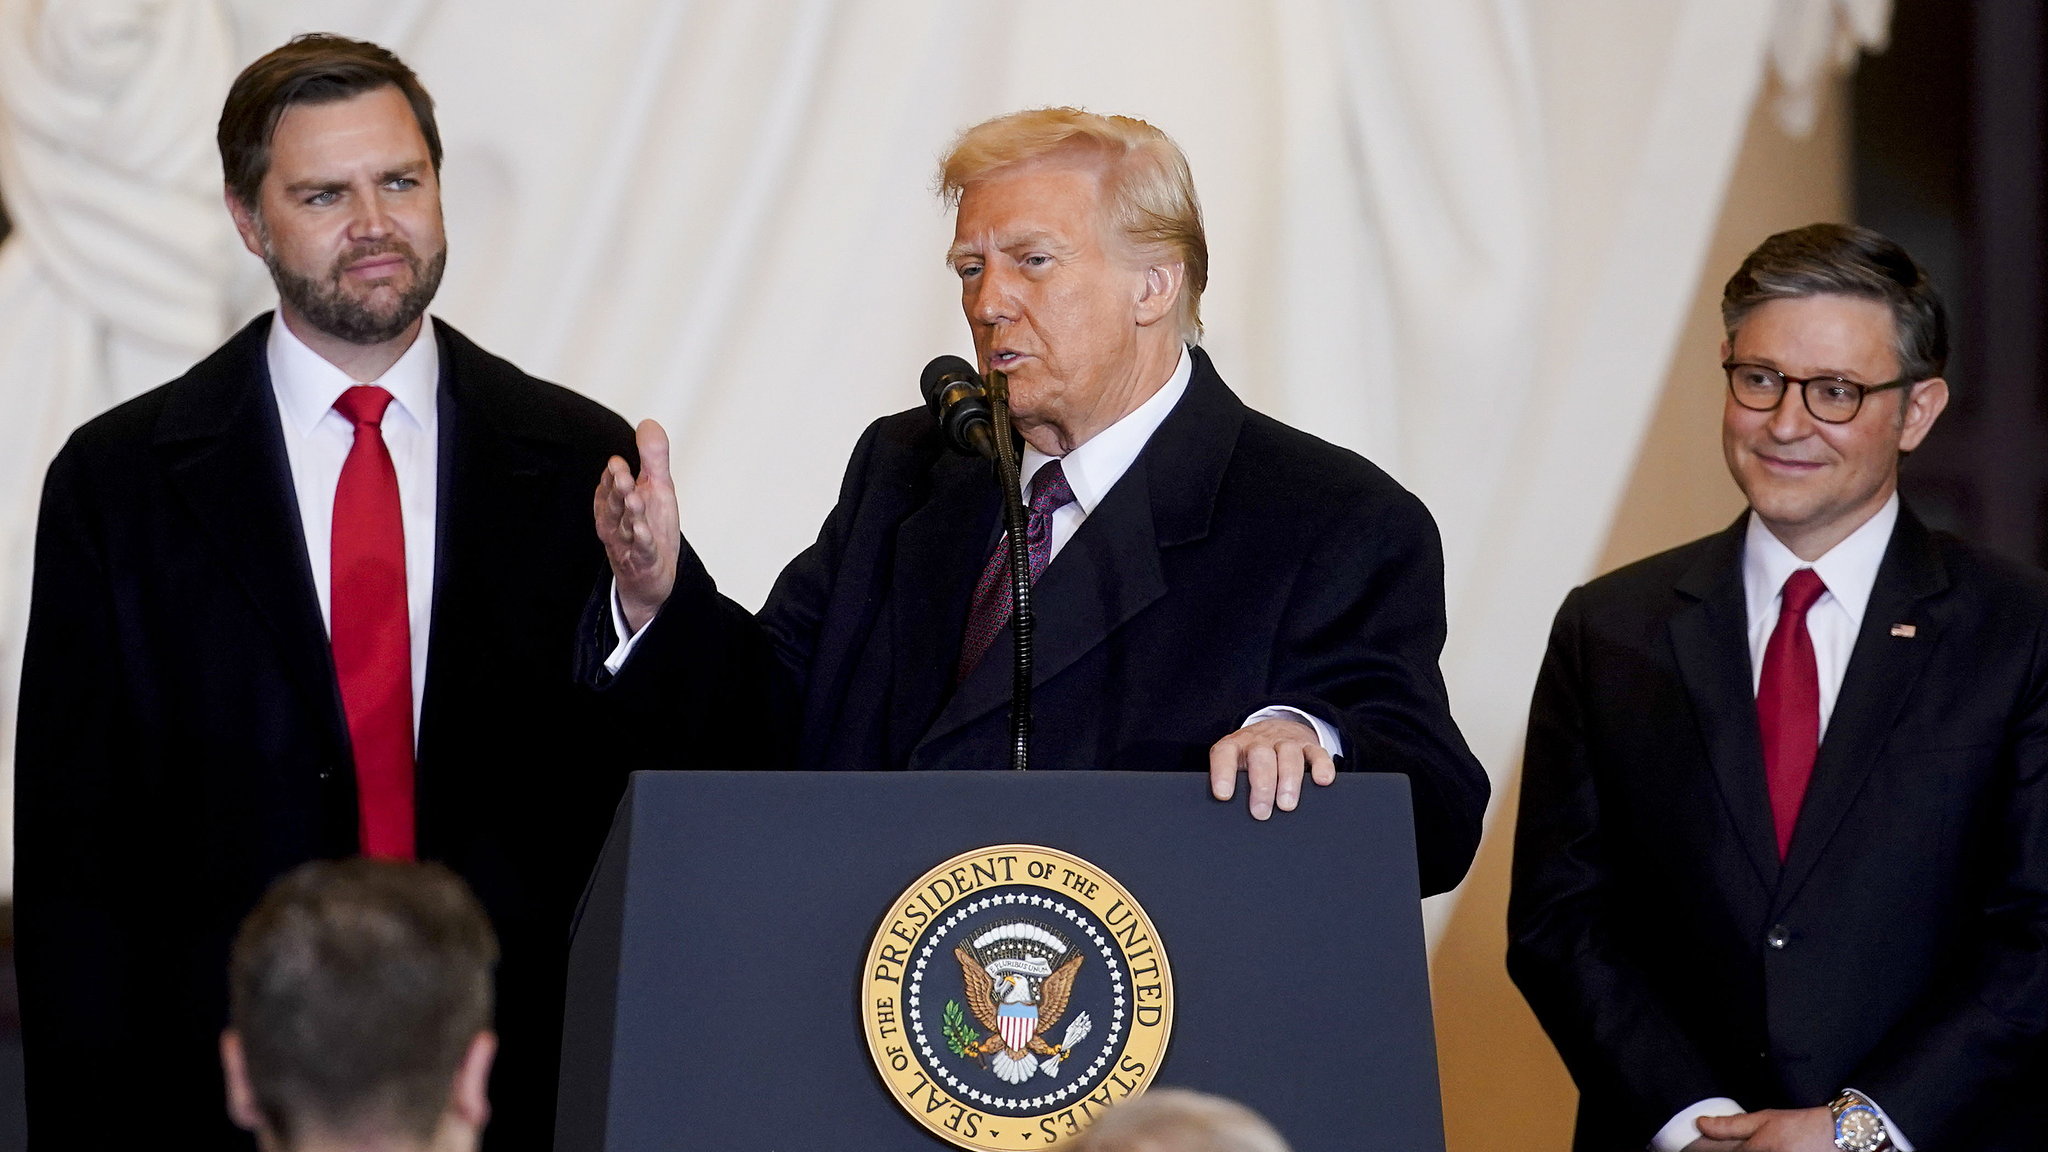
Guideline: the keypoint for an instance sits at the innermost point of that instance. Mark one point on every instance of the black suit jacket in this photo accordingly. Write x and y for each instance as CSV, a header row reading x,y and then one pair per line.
x,y
1911,910
182,740
1238,563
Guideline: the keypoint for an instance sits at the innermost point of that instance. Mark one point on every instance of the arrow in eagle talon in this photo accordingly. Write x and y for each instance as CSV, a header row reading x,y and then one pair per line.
x,y
1076,1032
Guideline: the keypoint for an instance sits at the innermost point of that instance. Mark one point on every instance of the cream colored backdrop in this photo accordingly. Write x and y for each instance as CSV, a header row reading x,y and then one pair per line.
x,y
1459,236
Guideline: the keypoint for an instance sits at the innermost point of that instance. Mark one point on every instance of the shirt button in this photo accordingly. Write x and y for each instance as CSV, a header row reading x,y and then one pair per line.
x,y
1777,937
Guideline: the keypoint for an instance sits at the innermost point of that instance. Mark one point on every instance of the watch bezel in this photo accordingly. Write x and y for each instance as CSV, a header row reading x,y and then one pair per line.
x,y
1877,1141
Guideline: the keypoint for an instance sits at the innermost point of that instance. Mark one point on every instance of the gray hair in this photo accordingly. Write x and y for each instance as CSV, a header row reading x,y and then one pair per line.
x,y
1845,260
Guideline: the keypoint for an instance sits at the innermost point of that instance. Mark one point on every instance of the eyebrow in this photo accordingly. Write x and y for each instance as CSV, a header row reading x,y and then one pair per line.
x,y
1026,240
408,169
1773,365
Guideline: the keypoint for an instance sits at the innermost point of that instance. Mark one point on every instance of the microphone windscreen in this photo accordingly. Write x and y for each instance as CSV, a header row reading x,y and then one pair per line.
x,y
944,370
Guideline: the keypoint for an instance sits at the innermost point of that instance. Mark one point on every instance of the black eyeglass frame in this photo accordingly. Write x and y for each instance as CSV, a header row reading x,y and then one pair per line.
x,y
1863,391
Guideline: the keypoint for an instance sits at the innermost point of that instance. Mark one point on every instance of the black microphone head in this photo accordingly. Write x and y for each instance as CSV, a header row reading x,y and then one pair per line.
x,y
953,391
944,370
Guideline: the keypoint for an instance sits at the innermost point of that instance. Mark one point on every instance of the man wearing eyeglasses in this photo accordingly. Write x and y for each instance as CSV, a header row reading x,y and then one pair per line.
x,y
1781,872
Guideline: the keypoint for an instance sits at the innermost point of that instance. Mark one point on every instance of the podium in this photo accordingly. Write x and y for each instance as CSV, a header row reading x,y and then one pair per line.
x,y
742,928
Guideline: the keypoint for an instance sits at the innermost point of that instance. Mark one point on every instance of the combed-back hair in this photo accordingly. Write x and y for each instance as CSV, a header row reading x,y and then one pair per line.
x,y
357,987
1846,260
1177,1120
1149,192
316,68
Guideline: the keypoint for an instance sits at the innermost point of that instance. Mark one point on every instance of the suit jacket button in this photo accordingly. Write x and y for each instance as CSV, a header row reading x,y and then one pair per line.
x,y
327,771
1777,937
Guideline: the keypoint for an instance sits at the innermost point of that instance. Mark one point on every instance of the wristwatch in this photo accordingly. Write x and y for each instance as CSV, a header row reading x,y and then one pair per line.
x,y
1858,1127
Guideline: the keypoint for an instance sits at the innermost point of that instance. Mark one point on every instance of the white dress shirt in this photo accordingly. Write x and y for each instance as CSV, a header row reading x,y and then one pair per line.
x,y
1091,471
1849,570
317,440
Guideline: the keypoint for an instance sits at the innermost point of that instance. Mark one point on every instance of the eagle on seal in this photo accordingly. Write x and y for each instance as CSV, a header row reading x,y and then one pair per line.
x,y
1001,994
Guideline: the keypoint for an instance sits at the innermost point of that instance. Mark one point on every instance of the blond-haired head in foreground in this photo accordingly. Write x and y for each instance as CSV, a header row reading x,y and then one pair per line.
x,y
1177,1120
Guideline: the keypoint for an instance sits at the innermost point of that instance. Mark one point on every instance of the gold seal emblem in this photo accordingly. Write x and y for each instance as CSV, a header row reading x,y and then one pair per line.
x,y
1012,994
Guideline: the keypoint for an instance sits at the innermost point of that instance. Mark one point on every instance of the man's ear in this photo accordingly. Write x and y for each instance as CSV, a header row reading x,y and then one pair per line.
x,y
1160,297
245,221
1924,402
242,1107
470,1099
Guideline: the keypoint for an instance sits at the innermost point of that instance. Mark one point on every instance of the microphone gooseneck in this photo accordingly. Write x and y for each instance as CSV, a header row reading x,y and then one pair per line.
x,y
1021,621
974,416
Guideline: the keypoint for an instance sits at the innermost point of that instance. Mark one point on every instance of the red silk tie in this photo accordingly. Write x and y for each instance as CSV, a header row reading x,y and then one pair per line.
x,y
991,610
1788,704
372,631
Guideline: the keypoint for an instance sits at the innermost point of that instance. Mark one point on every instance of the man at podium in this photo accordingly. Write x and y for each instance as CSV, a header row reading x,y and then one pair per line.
x,y
1214,590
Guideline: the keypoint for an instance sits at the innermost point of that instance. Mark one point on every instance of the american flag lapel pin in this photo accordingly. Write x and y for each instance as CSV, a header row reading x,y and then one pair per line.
x,y
1904,631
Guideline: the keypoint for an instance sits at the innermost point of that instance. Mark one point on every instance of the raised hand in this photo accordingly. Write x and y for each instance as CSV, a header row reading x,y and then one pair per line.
x,y
640,526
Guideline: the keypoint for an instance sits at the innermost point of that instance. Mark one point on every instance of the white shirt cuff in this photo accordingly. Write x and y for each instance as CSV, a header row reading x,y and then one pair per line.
x,y
617,659
1328,737
1899,1140
1681,1130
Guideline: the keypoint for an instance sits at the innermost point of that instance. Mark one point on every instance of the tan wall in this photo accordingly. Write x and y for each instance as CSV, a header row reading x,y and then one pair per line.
x,y
1504,1087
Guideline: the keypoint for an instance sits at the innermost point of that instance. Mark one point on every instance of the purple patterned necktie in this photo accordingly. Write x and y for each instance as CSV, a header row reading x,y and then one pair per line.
x,y
1049,493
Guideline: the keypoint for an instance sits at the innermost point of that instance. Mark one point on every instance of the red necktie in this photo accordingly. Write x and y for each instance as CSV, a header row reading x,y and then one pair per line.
x,y
1049,493
1788,704
372,631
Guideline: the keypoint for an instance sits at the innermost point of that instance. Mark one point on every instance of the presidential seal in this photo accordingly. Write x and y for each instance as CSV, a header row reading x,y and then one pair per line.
x,y
1012,994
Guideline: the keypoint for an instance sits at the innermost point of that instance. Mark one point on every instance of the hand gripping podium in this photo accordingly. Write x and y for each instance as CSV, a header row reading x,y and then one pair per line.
x,y
870,961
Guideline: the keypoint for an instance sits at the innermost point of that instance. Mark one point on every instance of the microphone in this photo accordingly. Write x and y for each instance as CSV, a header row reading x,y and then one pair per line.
x,y
953,391
974,416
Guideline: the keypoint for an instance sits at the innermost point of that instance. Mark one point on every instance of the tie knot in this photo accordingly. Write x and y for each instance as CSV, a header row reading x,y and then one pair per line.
x,y
1049,491
1802,588
364,404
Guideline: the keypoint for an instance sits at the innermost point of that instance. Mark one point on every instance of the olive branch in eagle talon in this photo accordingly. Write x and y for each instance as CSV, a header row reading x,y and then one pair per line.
x,y
964,1041
984,992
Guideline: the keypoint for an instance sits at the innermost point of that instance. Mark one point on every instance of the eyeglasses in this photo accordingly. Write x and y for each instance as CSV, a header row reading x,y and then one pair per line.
x,y
1831,399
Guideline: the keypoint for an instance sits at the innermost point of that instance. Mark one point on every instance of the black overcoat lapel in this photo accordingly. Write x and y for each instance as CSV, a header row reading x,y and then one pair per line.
x,y
1110,570
1880,677
488,473
220,444
940,551
1710,638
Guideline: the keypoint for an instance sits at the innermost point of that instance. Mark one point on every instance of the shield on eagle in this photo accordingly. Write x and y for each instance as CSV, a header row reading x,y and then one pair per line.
x,y
1018,1023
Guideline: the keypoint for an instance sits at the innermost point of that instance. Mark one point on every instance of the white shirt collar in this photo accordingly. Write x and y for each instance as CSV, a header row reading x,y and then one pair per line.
x,y
1849,569
1095,467
307,385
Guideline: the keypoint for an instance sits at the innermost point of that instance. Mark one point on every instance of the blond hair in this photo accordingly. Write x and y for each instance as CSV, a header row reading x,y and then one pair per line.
x,y
1177,1120
1148,190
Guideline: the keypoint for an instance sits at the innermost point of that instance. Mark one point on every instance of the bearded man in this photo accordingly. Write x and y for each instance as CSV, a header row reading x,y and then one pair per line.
x,y
309,600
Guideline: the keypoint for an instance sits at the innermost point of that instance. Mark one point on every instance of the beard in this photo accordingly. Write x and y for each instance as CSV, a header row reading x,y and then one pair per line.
x,y
328,306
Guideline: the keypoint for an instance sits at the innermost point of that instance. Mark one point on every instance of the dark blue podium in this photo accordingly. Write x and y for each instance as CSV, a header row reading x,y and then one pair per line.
x,y
716,973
